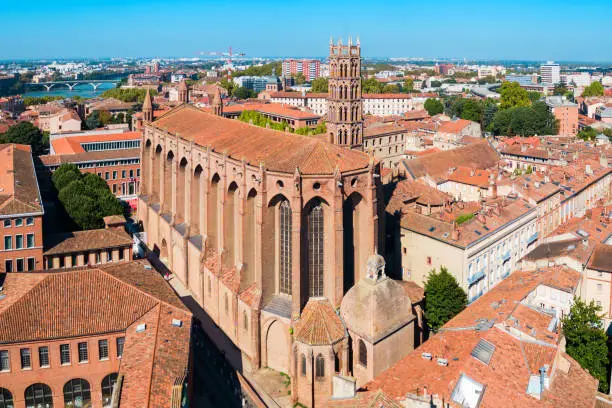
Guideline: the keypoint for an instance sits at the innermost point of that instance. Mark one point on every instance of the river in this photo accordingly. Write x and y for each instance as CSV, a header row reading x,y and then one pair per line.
x,y
83,90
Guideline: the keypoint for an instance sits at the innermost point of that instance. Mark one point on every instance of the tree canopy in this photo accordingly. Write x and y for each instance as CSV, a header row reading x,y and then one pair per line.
x,y
127,94
244,93
27,134
319,85
40,100
595,89
513,96
444,298
586,340
85,197
433,106
260,70
408,84
524,121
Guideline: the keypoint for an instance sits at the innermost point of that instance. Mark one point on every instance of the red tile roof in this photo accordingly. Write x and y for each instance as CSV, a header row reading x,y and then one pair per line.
x,y
72,144
279,151
18,183
83,302
319,324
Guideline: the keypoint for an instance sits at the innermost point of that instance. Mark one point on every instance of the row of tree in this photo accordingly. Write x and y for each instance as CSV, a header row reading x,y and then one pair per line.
x,y
127,94
258,119
85,197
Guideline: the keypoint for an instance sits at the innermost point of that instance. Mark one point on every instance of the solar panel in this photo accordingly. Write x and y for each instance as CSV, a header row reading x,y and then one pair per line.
x,y
483,351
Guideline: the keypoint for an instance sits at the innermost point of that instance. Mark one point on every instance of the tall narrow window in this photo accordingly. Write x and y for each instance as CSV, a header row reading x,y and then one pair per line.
x,y
43,356
103,349
65,353
120,343
303,364
285,247
320,366
4,361
83,354
26,358
315,251
363,354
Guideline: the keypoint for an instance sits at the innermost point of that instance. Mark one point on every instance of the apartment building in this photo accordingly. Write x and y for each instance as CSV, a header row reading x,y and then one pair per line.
x,y
114,156
310,68
21,211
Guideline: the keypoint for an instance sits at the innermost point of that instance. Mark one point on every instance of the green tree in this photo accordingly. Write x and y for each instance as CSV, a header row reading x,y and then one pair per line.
x,y
390,88
319,85
64,175
39,100
85,197
261,70
512,96
371,86
408,84
127,94
560,89
488,113
472,110
595,89
299,78
534,96
444,298
588,133
244,93
433,106
586,340
27,134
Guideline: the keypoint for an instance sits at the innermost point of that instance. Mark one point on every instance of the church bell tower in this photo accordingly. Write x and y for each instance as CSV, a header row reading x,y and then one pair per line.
x,y
344,105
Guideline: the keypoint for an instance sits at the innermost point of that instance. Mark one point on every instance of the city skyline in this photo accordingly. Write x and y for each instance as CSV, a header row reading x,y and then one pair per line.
x,y
72,30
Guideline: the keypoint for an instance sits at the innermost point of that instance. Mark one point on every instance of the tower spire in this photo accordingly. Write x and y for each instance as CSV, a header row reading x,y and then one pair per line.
x,y
344,114
147,107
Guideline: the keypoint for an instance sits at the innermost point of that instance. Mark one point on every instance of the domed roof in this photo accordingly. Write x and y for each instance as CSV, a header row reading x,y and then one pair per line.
x,y
376,305
319,324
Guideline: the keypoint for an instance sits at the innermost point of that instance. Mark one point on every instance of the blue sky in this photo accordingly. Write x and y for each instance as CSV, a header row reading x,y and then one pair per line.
x,y
519,29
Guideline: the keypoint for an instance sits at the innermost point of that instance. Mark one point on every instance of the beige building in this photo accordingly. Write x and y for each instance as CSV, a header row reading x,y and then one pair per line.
x,y
480,251
386,142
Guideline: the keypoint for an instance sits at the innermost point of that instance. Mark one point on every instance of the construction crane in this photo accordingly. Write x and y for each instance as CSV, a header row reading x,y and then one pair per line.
x,y
230,54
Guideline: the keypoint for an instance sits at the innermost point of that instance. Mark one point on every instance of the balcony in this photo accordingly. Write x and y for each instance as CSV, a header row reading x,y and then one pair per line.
x,y
505,257
476,277
532,239
505,275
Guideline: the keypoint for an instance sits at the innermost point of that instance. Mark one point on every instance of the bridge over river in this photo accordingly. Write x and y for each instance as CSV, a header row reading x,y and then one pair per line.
x,y
95,83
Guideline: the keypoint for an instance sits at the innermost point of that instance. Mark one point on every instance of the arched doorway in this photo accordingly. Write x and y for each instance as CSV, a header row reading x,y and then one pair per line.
x,y
38,395
6,398
277,351
77,394
108,383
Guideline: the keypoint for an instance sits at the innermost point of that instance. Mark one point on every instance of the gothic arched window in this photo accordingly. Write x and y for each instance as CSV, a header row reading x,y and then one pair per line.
x,y
245,321
363,354
320,366
315,250
303,364
285,247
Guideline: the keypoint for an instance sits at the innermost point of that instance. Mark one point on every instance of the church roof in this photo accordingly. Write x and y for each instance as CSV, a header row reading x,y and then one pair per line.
x,y
319,324
373,308
277,151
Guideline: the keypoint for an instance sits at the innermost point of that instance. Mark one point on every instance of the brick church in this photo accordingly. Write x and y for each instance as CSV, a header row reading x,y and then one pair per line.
x,y
275,234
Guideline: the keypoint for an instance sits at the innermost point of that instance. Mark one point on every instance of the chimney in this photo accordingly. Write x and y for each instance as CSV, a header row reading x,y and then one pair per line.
x,y
455,233
523,147
472,172
497,208
588,214
492,187
603,159
417,209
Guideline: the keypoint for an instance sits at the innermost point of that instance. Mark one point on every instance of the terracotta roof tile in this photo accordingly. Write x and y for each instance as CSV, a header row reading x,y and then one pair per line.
x,y
278,151
82,241
319,324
